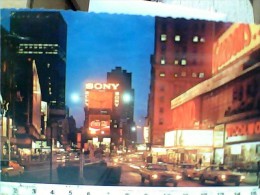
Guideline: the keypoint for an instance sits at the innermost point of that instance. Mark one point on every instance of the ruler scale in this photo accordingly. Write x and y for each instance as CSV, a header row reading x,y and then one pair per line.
x,y
13,188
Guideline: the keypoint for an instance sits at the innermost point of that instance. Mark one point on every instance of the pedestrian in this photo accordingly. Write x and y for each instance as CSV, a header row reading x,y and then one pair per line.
x,y
200,162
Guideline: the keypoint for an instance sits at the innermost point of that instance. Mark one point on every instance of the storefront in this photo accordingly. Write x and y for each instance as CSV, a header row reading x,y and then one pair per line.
x,y
242,149
188,146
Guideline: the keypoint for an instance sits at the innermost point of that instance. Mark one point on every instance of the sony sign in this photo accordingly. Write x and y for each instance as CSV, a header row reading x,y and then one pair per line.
x,y
102,86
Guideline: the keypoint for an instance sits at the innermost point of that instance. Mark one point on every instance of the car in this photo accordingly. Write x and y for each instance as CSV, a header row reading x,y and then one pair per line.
x,y
11,168
158,174
189,170
220,175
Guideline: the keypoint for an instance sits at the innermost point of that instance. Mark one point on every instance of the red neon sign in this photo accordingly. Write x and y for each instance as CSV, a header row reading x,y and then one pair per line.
x,y
233,41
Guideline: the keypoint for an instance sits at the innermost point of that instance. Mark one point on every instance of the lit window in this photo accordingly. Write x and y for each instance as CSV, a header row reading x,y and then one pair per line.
x,y
48,65
201,75
183,74
183,62
163,37
176,62
162,74
177,38
163,60
202,39
176,75
194,75
195,39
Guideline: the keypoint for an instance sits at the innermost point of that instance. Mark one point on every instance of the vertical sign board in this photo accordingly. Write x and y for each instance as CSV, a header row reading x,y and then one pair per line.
x,y
218,136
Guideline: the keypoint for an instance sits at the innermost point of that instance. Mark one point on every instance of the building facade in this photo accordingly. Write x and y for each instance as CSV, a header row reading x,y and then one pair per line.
x,y
228,102
33,70
124,113
109,111
181,60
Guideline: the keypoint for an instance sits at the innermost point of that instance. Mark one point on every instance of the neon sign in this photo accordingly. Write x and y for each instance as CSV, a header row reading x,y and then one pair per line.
x,y
102,86
237,41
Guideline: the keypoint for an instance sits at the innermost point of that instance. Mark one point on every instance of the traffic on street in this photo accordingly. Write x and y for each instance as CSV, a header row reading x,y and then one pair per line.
x,y
135,172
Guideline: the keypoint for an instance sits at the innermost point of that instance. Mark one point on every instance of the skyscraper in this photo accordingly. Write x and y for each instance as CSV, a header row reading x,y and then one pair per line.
x,y
41,37
44,39
124,113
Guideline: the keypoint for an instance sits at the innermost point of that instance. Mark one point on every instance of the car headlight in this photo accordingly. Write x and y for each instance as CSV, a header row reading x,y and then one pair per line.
x,y
154,176
223,177
178,177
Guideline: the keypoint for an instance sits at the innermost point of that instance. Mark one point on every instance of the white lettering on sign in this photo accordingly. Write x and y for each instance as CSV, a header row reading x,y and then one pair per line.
x,y
102,86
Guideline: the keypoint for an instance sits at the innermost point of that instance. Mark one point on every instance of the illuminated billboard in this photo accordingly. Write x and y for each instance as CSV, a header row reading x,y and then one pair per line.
x,y
239,40
100,99
99,125
36,99
102,95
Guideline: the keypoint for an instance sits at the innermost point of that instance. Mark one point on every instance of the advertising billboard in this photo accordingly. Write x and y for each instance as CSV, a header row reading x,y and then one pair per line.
x,y
100,99
99,125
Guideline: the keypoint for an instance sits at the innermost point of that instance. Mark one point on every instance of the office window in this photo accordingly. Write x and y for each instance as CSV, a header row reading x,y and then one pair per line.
x,y
163,37
176,62
183,62
162,88
160,121
161,110
162,74
175,75
202,39
195,39
177,38
161,99
163,61
201,75
194,75
183,74
163,47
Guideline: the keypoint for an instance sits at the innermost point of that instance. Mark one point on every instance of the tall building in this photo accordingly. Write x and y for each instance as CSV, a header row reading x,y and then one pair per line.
x,y
33,69
43,38
109,111
101,99
182,58
124,113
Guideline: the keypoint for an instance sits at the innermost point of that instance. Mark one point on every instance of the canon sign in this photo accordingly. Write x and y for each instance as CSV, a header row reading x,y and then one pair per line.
x,y
102,86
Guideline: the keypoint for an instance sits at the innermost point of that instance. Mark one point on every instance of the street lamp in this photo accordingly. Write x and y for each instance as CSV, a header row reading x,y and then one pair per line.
x,y
133,129
127,97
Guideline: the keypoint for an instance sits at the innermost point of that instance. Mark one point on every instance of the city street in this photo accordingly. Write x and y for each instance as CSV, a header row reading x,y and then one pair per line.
x,y
129,177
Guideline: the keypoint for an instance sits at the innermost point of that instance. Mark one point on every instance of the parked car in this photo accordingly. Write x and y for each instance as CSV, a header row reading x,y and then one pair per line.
x,y
220,174
11,168
158,174
189,170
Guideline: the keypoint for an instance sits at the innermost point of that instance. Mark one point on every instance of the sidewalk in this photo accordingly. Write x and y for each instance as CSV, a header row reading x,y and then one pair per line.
x,y
250,179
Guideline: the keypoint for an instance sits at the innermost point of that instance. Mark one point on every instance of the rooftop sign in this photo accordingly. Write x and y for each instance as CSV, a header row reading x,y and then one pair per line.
x,y
102,86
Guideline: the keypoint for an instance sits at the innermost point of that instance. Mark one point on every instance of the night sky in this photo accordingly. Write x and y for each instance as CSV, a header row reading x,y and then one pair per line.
x,y
96,44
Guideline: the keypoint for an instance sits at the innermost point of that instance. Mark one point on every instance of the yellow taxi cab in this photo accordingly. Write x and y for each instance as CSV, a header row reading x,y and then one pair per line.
x,y
11,168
